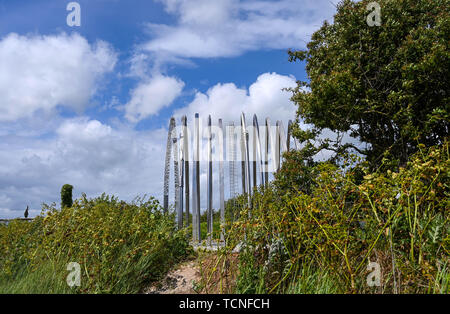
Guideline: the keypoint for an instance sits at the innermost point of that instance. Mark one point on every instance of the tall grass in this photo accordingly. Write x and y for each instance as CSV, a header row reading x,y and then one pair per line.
x,y
120,246
323,240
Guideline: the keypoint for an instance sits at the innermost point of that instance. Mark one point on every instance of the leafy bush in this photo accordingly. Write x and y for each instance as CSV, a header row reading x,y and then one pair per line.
x,y
66,196
119,246
398,219
385,86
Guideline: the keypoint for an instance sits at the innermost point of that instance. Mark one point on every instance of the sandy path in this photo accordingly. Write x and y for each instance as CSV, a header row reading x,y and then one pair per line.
x,y
178,281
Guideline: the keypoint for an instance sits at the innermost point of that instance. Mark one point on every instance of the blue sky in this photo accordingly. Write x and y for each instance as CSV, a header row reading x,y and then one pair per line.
x,y
90,105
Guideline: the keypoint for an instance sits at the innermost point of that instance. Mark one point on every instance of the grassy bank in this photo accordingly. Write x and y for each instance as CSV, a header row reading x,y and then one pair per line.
x,y
120,247
323,240
327,239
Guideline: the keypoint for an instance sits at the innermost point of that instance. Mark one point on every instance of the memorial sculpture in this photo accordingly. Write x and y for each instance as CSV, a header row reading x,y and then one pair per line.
x,y
187,151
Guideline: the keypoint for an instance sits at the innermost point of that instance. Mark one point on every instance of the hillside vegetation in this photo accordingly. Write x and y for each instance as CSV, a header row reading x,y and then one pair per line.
x,y
120,246
376,101
323,241
374,217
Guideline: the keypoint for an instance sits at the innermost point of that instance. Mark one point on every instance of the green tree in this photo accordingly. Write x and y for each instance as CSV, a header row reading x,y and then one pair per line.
x,y
386,86
66,196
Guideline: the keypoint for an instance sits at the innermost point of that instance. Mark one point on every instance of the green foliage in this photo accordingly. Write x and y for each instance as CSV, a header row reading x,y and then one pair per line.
x,y
251,276
399,219
314,281
216,230
66,195
120,247
387,86
295,173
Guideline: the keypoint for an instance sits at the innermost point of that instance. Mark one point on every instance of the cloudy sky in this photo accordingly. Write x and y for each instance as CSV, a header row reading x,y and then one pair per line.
x,y
90,105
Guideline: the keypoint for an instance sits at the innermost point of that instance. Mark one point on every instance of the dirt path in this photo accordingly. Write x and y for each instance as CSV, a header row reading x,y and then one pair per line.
x,y
179,280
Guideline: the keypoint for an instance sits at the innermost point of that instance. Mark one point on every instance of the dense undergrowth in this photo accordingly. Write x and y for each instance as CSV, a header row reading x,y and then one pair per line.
x,y
318,240
323,241
120,246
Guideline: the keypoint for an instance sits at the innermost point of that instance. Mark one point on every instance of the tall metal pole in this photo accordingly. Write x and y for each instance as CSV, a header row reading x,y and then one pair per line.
x,y
196,183
266,154
232,165
194,196
249,176
255,183
243,153
209,182
181,191
258,151
232,158
186,167
167,164
221,181
176,174
246,158
277,146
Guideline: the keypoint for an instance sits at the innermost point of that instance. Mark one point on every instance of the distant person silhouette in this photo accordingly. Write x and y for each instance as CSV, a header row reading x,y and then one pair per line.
x,y
26,212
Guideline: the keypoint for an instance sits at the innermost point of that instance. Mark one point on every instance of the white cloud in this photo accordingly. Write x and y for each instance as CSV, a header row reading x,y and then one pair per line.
x,y
152,95
83,131
219,28
92,156
224,28
38,73
265,98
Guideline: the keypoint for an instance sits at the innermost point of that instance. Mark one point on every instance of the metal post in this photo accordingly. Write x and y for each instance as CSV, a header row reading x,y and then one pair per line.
x,y
181,190
209,182
194,199
266,154
176,174
247,155
221,181
277,146
196,183
232,165
244,184
257,139
255,183
167,164
246,158
186,167
232,157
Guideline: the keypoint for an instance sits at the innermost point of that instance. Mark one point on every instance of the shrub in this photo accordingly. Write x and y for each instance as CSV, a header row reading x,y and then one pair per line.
x,y
120,247
398,219
66,196
385,86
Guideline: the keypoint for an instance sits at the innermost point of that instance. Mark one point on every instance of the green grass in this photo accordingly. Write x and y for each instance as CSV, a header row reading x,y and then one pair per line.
x,y
216,230
121,247
204,226
322,240
314,281
48,278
